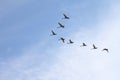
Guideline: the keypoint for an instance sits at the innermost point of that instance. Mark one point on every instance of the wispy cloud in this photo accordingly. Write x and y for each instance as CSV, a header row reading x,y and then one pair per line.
x,y
71,62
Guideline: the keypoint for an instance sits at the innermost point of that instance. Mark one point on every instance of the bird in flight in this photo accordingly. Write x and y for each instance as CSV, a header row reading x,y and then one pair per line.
x,y
105,49
83,45
53,33
70,41
65,16
94,47
62,39
60,25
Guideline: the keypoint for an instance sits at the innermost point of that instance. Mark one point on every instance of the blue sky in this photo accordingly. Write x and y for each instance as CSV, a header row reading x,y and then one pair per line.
x,y
28,52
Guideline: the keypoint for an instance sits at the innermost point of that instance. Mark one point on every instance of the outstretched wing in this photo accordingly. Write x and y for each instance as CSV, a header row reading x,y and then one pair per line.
x,y
94,47
105,49
53,33
84,44
65,16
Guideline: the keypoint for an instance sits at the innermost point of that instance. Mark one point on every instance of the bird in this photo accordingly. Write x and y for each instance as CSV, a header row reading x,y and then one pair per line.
x,y
62,39
53,33
70,41
105,49
94,47
60,25
65,16
83,45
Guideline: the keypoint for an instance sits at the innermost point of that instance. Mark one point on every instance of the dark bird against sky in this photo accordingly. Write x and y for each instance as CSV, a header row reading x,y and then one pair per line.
x,y
62,39
70,41
83,45
65,16
53,33
60,25
105,49
94,47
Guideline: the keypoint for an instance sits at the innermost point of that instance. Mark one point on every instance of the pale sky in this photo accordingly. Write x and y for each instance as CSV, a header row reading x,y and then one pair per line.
x,y
28,52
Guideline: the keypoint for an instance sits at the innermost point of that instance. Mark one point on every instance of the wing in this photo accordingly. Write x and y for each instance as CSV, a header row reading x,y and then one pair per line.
x,y
94,46
53,32
64,15
59,23
105,49
84,44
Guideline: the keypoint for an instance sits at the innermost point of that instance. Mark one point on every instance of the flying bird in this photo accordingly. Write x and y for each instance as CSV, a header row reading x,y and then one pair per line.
x,y
65,16
62,39
53,33
105,49
70,41
60,25
94,47
83,45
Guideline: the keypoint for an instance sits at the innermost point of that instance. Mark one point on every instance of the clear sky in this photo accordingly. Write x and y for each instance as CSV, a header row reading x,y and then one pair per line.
x,y
28,52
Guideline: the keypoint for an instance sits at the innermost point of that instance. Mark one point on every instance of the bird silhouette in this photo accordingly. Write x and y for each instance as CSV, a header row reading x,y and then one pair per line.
x,y
70,41
60,25
53,33
94,47
62,39
83,45
65,16
105,49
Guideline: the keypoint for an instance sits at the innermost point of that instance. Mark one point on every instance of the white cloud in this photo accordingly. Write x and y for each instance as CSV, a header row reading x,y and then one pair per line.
x,y
71,61
76,63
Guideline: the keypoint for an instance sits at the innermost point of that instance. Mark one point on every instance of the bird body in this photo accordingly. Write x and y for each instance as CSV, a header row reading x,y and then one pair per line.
x,y
105,49
83,44
94,47
65,16
53,33
70,41
62,39
60,25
